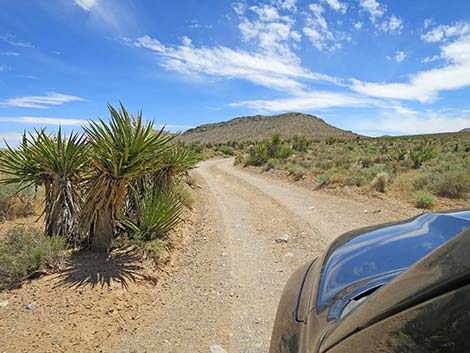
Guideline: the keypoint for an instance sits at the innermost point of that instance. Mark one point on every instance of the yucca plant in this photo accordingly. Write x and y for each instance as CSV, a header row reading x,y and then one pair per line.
x,y
55,162
122,150
156,212
176,163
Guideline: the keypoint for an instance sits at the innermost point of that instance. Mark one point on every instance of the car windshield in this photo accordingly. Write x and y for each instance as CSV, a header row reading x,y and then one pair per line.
x,y
387,249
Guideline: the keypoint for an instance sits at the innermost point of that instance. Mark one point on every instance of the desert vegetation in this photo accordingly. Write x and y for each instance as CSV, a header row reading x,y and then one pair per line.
x,y
424,170
119,180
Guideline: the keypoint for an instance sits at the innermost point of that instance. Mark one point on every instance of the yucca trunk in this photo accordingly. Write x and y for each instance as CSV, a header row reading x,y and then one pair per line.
x,y
103,231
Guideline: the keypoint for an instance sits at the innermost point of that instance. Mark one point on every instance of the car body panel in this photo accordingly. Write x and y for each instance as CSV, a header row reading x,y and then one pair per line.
x,y
430,240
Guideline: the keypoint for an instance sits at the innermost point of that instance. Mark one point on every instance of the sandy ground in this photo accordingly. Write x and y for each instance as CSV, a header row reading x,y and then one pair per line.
x,y
223,289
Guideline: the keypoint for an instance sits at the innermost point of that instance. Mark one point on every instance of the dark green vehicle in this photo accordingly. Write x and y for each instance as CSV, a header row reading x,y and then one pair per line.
x,y
398,287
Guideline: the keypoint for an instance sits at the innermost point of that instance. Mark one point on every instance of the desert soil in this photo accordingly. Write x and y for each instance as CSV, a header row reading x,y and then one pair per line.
x,y
223,288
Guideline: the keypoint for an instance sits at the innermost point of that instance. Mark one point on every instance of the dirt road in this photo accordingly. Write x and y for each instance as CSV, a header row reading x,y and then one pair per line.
x,y
229,280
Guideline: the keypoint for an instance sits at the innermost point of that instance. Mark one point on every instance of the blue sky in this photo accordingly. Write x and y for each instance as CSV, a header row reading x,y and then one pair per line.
x,y
375,67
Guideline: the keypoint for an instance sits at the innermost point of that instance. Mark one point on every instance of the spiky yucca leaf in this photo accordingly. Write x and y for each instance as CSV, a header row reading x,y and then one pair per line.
x,y
157,211
123,149
176,162
55,162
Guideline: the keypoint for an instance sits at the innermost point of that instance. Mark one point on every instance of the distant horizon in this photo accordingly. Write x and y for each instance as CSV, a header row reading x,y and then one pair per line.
x,y
375,67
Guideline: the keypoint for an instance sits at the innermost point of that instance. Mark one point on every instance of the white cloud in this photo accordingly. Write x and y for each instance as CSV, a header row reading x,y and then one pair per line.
x,y
9,53
337,5
306,101
174,128
428,22
358,25
11,39
393,25
86,5
398,57
316,29
278,69
266,13
424,86
112,15
422,123
286,4
12,138
37,120
51,98
373,8
430,59
443,32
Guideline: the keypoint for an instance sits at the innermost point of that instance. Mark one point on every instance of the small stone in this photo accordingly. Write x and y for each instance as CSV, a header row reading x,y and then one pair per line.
x,y
217,349
3,303
365,211
311,208
32,306
283,239
289,254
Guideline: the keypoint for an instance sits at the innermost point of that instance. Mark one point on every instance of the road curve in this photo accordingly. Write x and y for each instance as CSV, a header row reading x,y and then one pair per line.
x,y
229,279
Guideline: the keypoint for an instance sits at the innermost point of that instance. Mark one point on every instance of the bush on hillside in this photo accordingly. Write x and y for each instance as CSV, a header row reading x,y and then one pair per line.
x,y
27,251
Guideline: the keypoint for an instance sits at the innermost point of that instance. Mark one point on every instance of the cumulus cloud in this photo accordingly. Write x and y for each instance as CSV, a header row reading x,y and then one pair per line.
x,y
317,30
286,4
398,57
391,122
444,32
337,5
393,25
424,86
373,8
50,99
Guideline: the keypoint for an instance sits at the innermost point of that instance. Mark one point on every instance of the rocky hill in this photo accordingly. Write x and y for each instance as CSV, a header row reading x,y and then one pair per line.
x,y
258,127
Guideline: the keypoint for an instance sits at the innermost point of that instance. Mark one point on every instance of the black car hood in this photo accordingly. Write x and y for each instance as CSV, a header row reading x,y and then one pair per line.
x,y
442,271
381,254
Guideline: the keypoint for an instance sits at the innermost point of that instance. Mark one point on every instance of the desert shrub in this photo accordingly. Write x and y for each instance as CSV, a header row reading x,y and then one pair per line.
x,y
420,155
15,202
300,144
26,251
356,180
380,182
330,141
258,155
185,196
226,150
452,184
397,154
325,177
238,159
156,250
272,163
324,164
423,199
297,171
366,162
284,152
190,181
420,181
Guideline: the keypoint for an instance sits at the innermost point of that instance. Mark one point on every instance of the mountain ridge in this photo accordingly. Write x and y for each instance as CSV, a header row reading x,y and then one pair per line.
x,y
259,127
